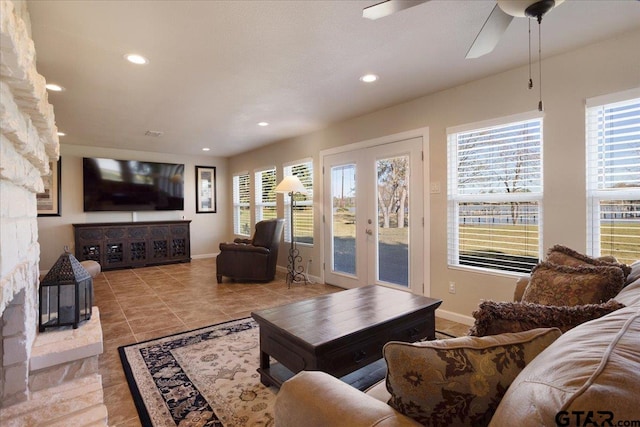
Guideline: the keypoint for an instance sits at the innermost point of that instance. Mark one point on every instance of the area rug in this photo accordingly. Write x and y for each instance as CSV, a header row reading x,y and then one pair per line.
x,y
201,378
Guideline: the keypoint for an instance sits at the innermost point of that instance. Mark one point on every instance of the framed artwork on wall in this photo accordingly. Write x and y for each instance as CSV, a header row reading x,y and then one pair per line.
x,y
48,201
206,189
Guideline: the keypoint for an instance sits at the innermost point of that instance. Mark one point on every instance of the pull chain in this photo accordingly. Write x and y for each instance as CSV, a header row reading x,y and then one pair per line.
x,y
540,108
530,80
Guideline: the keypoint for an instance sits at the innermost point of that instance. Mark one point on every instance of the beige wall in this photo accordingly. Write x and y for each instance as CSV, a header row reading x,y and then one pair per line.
x,y
207,230
569,79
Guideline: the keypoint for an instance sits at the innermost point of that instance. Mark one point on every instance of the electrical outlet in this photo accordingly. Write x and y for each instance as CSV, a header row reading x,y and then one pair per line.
x,y
452,287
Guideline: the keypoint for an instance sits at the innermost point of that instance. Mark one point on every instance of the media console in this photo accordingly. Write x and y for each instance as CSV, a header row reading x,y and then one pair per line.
x,y
133,244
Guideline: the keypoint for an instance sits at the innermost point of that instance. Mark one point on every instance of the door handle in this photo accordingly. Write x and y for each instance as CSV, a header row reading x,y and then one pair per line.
x,y
369,232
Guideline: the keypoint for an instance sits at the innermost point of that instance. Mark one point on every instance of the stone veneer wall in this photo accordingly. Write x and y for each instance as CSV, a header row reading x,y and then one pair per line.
x,y
27,143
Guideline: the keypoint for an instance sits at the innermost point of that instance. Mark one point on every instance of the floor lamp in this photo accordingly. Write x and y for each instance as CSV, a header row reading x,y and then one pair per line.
x,y
291,185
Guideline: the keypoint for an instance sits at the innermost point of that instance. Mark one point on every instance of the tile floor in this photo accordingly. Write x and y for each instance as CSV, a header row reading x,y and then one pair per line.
x,y
141,304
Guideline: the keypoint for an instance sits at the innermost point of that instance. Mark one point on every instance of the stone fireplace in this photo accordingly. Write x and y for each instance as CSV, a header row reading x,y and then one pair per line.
x,y
50,378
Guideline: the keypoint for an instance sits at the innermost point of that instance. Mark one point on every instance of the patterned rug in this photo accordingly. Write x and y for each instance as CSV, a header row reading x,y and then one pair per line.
x,y
202,378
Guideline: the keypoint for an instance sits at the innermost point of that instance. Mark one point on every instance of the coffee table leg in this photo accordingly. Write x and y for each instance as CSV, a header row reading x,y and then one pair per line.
x,y
264,367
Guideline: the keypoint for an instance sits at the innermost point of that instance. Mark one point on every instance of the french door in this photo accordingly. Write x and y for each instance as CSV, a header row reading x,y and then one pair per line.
x,y
373,222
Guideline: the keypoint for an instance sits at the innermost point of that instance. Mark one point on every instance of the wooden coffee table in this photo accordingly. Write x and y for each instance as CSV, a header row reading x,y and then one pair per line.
x,y
340,333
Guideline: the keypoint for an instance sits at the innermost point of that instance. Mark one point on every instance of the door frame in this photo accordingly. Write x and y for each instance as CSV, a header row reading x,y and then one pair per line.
x,y
415,133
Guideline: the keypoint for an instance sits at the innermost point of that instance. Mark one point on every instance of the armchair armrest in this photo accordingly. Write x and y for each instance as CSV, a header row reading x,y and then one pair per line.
x,y
316,399
240,247
245,241
521,285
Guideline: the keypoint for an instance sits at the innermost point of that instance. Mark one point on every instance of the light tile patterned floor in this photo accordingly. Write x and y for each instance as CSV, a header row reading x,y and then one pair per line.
x,y
145,303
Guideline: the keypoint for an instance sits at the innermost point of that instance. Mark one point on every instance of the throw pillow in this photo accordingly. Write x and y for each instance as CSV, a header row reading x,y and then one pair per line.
x,y
458,381
563,255
553,284
499,317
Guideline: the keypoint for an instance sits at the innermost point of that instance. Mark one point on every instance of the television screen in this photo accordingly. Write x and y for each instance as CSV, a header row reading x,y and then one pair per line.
x,y
132,185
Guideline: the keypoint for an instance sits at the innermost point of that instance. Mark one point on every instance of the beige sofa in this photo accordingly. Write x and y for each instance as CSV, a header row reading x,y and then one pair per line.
x,y
593,368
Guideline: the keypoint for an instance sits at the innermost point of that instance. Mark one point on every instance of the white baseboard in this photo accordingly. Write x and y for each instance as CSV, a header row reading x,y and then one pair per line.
x,y
311,278
203,256
455,317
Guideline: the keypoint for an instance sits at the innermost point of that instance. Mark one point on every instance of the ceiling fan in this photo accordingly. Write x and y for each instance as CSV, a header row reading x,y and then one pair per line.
x,y
496,24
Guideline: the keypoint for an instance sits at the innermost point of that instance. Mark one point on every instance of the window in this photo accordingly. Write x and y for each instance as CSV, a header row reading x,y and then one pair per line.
x,y
613,176
495,193
241,204
265,196
303,213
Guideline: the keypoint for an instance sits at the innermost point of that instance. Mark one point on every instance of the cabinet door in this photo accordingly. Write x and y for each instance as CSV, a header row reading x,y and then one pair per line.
x,y
137,245
115,244
159,243
180,249
89,244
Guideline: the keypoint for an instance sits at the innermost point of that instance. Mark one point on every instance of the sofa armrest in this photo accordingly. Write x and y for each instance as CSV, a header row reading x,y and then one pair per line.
x,y
316,399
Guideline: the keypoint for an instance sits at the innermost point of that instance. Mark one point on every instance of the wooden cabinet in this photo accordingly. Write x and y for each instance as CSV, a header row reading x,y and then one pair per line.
x,y
133,244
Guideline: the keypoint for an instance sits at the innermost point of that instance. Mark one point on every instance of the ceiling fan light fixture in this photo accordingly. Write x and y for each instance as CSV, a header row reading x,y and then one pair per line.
x,y
527,8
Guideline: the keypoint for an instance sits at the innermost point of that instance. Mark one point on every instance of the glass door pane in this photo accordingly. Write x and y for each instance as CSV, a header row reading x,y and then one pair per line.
x,y
343,218
393,220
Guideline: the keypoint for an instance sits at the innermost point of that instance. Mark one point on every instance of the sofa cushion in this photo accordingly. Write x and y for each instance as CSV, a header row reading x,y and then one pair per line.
x,y
499,317
553,284
592,368
563,255
458,381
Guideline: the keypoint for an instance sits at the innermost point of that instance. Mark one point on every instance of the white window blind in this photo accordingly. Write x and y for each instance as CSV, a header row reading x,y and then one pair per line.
x,y
303,212
265,195
241,205
613,178
495,195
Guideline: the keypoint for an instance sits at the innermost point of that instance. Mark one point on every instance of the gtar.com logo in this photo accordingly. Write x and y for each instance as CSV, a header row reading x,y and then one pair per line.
x,y
591,419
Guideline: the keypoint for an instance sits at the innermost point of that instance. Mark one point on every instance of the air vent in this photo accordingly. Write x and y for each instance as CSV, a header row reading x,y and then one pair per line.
x,y
153,133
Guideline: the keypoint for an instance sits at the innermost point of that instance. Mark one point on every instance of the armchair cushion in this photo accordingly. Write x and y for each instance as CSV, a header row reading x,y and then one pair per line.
x,y
458,381
242,247
494,318
553,284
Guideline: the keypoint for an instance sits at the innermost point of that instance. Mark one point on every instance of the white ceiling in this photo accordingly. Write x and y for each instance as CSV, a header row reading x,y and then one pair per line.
x,y
217,68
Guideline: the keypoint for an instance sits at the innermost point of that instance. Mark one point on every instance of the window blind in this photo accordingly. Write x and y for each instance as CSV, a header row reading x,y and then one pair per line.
x,y
613,179
495,196
241,205
303,212
265,195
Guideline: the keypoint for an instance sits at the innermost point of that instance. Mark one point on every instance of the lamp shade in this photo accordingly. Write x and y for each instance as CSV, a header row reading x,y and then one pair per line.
x,y
291,184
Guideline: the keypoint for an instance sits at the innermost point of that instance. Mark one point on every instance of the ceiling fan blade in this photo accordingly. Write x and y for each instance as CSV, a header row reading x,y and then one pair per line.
x,y
389,7
490,33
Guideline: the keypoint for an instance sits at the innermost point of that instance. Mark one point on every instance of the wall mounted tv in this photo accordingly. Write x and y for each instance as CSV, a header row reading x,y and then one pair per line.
x,y
132,185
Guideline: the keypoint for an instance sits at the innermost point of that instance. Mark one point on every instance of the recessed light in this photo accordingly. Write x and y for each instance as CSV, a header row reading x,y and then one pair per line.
x,y
206,149
369,78
263,124
136,59
61,134
54,87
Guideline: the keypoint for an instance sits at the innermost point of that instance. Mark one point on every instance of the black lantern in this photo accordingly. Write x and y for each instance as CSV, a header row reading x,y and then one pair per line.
x,y
66,294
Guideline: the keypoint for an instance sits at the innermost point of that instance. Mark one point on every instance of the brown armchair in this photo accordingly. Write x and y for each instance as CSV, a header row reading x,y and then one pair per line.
x,y
252,259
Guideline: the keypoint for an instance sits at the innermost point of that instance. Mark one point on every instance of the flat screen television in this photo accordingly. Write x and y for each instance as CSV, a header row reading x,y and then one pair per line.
x,y
132,185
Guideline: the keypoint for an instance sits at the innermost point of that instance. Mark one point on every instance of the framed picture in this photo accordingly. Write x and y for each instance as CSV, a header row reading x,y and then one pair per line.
x,y
205,189
48,202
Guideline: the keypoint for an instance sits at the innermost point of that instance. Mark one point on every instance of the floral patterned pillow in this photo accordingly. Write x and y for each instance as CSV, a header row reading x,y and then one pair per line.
x,y
458,381
553,284
563,255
